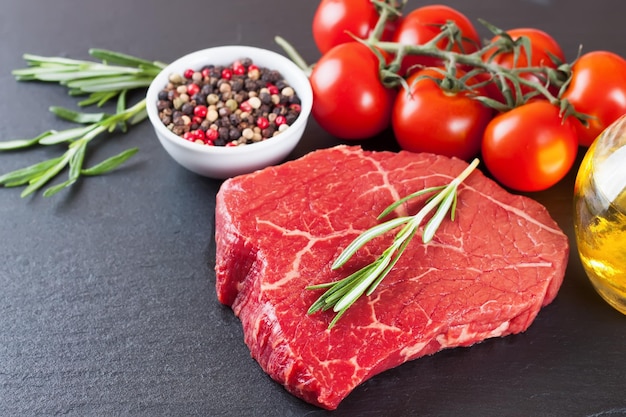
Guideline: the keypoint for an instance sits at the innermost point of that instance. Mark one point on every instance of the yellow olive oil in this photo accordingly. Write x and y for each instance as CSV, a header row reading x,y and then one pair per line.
x,y
600,220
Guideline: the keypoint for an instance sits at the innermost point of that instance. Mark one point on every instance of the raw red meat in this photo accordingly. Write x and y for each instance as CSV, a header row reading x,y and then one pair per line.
x,y
484,275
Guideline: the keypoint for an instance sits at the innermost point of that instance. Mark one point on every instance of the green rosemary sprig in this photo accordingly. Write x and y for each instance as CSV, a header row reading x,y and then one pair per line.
x,y
103,81
340,295
36,176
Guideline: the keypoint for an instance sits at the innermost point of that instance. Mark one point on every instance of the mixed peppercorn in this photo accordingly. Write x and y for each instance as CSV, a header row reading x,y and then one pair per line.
x,y
228,105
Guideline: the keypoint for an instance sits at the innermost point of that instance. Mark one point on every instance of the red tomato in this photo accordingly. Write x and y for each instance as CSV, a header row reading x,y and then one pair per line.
x,y
429,119
597,89
335,20
543,49
531,147
350,101
424,23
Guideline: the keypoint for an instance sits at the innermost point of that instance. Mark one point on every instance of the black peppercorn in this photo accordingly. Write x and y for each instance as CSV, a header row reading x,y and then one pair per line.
x,y
234,133
187,108
223,132
164,104
199,99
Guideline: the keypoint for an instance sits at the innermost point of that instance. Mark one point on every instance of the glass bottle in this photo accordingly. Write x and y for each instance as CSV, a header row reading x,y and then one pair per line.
x,y
600,214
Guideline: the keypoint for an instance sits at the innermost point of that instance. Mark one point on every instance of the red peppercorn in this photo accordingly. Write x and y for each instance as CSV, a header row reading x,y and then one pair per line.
x,y
193,89
199,134
245,106
200,111
295,107
189,136
253,67
206,72
188,73
212,134
227,73
272,89
280,120
238,68
231,143
196,120
262,122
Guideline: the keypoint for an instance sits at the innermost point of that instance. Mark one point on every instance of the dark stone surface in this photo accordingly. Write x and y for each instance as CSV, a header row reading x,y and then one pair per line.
x,y
107,302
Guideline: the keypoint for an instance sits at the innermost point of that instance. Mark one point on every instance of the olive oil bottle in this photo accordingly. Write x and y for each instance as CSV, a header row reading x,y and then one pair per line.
x,y
600,214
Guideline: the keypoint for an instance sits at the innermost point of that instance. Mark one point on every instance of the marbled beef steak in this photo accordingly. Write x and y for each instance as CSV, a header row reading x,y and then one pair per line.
x,y
485,274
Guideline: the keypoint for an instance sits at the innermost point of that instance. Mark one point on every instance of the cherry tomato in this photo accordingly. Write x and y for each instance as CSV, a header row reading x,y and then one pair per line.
x,y
424,23
335,20
597,89
350,101
544,50
531,147
429,119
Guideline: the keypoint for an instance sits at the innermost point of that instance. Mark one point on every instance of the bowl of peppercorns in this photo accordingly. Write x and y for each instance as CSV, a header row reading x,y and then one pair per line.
x,y
229,110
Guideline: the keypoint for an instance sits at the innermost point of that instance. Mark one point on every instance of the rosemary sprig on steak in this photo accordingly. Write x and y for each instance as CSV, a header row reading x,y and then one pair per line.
x,y
340,295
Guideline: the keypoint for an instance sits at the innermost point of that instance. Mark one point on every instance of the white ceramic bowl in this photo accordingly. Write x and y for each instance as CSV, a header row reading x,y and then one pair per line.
x,y
223,162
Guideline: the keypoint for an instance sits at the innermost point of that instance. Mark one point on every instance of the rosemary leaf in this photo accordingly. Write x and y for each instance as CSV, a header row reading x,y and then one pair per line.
x,y
121,85
38,182
93,98
140,116
109,83
36,73
65,135
403,200
120,108
365,237
110,163
121,58
433,224
76,161
24,175
50,191
59,61
66,78
361,286
121,102
396,258
99,81
77,117
69,75
9,145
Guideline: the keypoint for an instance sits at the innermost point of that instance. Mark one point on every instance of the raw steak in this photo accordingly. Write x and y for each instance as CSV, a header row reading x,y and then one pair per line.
x,y
485,274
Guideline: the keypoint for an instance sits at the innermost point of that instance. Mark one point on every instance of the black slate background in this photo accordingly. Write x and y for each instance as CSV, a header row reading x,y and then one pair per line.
x,y
107,302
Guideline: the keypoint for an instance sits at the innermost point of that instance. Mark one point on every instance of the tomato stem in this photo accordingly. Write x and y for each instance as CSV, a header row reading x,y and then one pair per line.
x,y
508,80
388,10
293,54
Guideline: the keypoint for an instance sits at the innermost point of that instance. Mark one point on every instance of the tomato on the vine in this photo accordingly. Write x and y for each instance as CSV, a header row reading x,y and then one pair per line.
x,y
350,100
424,23
336,21
428,119
531,147
544,52
597,89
